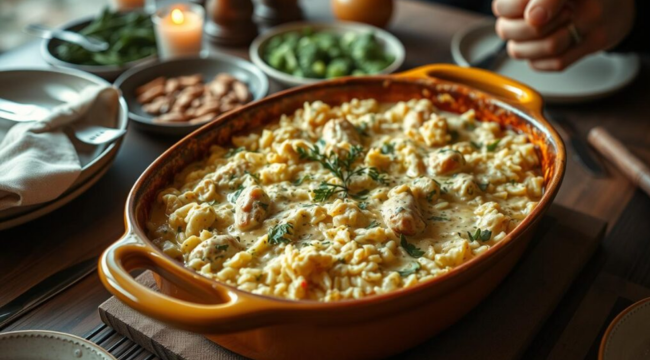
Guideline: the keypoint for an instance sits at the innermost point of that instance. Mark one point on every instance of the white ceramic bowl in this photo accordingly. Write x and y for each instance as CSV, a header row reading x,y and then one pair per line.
x,y
51,345
390,43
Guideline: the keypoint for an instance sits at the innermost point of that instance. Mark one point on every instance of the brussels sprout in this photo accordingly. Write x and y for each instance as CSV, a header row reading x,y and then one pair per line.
x,y
307,56
358,72
338,67
319,68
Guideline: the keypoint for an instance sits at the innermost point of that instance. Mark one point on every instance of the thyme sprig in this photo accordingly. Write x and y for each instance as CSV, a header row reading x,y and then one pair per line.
x,y
340,166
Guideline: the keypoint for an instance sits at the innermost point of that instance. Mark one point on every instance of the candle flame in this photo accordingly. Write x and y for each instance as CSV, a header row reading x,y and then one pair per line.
x,y
177,16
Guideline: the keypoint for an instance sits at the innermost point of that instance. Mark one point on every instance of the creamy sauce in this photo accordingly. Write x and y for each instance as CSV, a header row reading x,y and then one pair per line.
x,y
334,203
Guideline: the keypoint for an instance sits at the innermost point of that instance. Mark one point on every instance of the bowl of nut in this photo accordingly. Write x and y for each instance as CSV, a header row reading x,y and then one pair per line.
x,y
180,95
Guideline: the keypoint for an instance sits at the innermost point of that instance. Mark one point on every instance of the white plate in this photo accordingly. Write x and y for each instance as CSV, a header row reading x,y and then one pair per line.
x,y
51,345
628,336
48,207
49,88
592,78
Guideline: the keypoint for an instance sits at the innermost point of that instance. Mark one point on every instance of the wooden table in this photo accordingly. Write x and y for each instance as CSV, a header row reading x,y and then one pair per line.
x,y
84,227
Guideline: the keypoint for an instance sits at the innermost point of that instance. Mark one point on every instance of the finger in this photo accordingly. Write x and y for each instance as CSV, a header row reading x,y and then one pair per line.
x,y
509,8
594,41
540,12
551,46
520,30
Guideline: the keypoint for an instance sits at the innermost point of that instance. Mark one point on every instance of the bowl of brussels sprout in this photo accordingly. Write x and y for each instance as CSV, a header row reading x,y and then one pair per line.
x,y
303,53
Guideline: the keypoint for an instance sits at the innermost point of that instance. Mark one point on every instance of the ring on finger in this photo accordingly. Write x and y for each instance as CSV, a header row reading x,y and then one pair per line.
x,y
576,37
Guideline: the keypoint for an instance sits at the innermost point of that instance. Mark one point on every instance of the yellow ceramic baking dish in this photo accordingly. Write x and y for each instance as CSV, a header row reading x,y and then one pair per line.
x,y
264,327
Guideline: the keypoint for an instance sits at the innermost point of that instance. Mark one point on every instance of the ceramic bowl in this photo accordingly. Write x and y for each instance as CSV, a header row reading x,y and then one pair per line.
x,y
209,67
628,336
264,327
108,72
51,345
390,43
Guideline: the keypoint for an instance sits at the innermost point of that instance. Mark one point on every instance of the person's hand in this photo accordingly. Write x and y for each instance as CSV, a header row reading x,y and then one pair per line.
x,y
553,34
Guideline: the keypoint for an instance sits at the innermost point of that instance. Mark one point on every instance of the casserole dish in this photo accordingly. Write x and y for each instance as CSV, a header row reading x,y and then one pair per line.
x,y
264,327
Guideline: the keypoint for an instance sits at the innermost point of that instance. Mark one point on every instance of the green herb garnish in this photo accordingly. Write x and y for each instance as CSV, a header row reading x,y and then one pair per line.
x,y
411,249
222,247
299,181
410,271
493,146
387,148
277,233
476,145
341,167
232,152
373,224
233,196
483,235
430,195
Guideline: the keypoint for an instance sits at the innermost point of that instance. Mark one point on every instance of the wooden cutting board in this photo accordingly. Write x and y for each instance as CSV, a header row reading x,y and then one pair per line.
x,y
499,328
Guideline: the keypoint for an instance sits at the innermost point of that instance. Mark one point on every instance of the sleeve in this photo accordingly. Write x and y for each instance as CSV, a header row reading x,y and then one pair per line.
x,y
638,40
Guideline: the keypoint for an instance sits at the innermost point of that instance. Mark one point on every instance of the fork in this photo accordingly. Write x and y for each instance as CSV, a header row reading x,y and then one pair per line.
x,y
86,133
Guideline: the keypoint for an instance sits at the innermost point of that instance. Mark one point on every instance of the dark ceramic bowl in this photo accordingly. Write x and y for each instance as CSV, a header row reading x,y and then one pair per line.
x,y
209,67
108,72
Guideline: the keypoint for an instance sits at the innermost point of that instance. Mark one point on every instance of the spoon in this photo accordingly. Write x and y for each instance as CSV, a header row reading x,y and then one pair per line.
x,y
86,133
85,42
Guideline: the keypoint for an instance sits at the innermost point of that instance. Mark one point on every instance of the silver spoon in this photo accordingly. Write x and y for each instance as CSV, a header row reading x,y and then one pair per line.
x,y
89,134
85,42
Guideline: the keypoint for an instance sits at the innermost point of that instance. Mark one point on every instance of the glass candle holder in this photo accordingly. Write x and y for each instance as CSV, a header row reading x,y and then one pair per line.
x,y
179,30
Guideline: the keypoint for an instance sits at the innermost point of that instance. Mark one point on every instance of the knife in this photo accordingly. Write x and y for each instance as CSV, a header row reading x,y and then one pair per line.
x,y
45,290
578,143
493,59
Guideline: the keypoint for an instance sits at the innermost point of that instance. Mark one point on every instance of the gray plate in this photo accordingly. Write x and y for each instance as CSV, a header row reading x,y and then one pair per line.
x,y
49,88
209,67
53,345
594,77
108,72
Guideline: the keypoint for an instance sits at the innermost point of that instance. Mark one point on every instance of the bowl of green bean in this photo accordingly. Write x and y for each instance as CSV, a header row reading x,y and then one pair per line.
x,y
303,53
130,37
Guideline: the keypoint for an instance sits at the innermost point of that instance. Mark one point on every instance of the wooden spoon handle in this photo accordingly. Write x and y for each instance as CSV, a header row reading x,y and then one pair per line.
x,y
614,151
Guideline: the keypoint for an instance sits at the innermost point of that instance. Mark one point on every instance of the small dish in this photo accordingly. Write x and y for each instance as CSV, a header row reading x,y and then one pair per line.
x,y
628,336
592,78
389,42
108,72
51,345
209,67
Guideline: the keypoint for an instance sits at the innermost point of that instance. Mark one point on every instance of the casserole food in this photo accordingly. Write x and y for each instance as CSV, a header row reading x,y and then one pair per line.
x,y
265,327
342,202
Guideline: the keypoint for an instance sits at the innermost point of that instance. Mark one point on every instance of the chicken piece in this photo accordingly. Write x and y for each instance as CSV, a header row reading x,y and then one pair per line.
x,y
251,208
426,189
340,131
218,247
402,215
446,161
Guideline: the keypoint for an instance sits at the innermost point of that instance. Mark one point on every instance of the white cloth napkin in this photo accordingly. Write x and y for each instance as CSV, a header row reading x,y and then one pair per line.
x,y
38,162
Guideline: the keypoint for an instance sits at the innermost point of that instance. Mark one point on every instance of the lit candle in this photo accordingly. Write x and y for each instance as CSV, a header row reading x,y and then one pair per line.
x,y
179,29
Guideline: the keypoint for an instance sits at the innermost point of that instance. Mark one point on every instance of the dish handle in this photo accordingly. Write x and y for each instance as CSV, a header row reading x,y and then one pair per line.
x,y
228,311
483,80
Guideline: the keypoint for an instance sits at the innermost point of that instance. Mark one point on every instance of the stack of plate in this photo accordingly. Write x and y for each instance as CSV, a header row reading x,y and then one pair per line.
x,y
49,88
